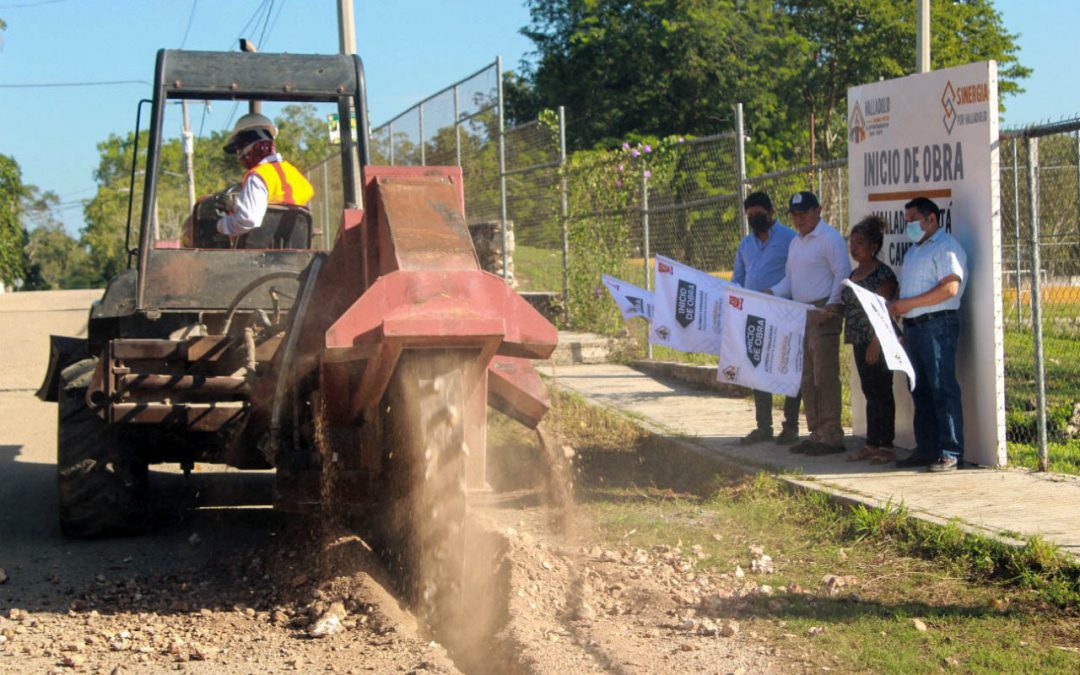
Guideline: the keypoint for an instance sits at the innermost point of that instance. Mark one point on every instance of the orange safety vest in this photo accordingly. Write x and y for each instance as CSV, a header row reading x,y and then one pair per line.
x,y
284,182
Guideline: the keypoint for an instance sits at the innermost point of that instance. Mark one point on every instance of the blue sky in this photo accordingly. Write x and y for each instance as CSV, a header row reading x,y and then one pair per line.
x,y
411,48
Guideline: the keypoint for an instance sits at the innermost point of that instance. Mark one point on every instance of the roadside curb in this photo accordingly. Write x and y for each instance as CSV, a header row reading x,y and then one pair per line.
x,y
740,466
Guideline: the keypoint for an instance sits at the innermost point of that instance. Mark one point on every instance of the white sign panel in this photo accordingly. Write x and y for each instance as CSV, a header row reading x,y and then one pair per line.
x,y
878,314
935,135
762,342
633,301
686,315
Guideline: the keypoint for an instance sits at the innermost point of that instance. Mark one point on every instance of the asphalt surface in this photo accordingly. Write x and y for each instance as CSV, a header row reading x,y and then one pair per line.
x,y
33,552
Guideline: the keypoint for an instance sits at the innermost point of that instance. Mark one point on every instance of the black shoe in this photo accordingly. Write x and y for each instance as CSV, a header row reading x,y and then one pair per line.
x,y
788,436
913,462
801,447
821,449
942,465
756,436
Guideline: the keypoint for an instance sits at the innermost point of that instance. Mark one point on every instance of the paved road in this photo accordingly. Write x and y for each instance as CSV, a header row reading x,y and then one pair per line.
x,y
32,550
998,502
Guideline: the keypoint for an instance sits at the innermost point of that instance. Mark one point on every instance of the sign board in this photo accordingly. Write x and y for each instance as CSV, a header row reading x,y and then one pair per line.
x,y
935,135
333,127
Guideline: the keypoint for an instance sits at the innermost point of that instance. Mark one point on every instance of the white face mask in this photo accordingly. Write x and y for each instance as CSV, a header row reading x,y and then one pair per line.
x,y
914,231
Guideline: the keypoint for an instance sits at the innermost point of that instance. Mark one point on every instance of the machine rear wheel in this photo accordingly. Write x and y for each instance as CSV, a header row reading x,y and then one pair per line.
x,y
101,482
424,425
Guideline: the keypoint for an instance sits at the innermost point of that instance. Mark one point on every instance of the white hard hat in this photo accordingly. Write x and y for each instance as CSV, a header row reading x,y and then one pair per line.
x,y
251,127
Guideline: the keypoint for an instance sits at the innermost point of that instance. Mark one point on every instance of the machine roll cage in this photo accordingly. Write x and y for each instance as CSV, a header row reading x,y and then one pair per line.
x,y
249,76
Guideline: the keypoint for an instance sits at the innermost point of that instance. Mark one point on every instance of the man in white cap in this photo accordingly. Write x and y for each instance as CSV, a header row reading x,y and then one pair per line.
x,y
817,265
269,178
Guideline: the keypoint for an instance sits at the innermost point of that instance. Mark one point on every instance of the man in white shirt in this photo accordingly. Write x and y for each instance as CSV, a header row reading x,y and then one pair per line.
x,y
269,178
931,285
817,265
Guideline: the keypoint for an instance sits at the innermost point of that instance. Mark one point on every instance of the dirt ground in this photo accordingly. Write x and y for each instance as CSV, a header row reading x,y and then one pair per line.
x,y
244,589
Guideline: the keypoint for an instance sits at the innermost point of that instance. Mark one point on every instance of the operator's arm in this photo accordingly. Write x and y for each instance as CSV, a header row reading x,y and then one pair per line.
x,y
250,208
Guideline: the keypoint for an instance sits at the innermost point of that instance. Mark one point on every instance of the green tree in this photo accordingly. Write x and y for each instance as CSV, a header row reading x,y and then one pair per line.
x,y
12,193
843,43
56,260
629,69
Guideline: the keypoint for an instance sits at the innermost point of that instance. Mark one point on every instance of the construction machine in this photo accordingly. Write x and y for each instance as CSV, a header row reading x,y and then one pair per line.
x,y
359,371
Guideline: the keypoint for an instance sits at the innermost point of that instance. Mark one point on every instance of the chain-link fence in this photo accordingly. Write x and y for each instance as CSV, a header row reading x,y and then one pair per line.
x,y
534,203
828,180
573,219
1041,311
693,212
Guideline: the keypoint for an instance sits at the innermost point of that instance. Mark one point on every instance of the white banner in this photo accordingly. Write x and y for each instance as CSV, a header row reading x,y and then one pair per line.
x,y
762,344
686,316
633,301
891,349
936,135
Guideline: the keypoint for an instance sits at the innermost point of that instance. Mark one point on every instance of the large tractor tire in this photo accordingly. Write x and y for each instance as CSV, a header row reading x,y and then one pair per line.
x,y
424,427
101,481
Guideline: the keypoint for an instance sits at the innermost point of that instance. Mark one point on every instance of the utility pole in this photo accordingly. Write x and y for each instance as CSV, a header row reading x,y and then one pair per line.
x,y
249,46
346,27
922,42
189,157
347,45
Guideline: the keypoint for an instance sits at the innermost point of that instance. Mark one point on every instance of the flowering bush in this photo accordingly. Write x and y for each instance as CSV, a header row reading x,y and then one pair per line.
x,y
604,189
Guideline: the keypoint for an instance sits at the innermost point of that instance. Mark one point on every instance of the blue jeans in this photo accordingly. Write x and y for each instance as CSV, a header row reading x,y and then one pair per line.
x,y
939,416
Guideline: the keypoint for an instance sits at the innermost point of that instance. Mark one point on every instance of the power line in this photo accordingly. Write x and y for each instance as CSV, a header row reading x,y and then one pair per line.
x,y
249,22
276,17
24,5
266,24
45,85
191,16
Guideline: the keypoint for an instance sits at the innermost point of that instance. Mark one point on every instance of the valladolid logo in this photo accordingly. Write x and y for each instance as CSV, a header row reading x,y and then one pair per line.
x,y
686,304
856,125
755,339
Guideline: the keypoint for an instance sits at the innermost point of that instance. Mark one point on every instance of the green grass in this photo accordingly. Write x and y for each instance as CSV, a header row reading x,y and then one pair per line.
x,y
989,607
538,269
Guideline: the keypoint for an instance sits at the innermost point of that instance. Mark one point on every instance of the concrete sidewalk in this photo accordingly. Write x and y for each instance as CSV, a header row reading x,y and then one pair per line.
x,y
1002,503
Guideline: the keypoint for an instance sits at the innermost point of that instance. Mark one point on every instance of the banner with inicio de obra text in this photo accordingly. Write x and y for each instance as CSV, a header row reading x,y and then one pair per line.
x,y
686,313
633,301
762,341
935,135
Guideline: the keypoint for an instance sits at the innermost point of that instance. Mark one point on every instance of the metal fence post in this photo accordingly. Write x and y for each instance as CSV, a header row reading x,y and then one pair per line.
x,y
1016,218
325,206
741,152
645,241
420,114
457,126
564,215
1032,146
502,166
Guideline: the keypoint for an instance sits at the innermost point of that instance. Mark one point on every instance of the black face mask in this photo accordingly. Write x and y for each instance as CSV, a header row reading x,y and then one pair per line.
x,y
759,222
